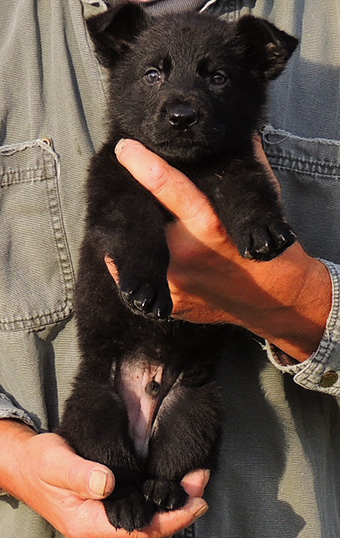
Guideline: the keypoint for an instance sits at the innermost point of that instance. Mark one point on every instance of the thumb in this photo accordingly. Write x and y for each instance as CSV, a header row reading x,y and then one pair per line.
x,y
170,186
63,468
100,482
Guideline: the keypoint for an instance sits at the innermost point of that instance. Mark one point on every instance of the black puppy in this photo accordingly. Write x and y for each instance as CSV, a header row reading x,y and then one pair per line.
x,y
192,89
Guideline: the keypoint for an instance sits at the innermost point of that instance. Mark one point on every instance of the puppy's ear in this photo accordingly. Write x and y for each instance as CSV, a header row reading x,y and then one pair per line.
x,y
267,48
113,31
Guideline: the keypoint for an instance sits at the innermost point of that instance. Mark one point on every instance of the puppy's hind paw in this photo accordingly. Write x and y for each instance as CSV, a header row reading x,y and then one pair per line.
x,y
130,513
166,495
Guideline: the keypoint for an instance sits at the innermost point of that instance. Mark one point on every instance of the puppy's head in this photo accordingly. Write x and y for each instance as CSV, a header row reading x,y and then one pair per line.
x,y
188,85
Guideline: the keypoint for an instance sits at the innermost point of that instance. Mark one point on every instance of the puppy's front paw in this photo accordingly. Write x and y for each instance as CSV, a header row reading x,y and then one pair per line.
x,y
267,241
130,513
166,495
149,297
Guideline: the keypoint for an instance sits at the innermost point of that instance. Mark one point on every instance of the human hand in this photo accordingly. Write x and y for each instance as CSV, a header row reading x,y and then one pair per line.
x,y
286,300
42,471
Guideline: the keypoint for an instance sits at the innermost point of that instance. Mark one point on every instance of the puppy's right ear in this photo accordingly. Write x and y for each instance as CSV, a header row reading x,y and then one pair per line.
x,y
113,31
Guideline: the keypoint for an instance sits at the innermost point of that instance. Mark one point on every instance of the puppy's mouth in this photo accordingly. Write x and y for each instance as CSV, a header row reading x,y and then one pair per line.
x,y
189,138
186,139
183,147
186,146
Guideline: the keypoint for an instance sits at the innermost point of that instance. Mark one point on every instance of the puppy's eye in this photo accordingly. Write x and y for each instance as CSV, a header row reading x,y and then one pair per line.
x,y
218,78
152,76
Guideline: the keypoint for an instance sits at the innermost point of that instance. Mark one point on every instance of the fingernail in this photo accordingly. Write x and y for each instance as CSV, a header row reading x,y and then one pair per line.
x,y
97,483
201,511
120,144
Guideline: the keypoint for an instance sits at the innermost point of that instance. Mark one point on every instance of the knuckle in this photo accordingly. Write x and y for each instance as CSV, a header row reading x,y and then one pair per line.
x,y
209,222
199,212
159,176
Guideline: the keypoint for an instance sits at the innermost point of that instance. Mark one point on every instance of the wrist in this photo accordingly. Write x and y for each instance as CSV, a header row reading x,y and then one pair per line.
x,y
14,436
299,305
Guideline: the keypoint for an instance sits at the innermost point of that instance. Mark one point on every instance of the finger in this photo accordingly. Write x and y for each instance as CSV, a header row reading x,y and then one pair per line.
x,y
110,264
62,468
167,524
195,482
172,188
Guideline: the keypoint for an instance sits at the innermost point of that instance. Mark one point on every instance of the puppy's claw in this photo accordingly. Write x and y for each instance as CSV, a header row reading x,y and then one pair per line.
x,y
166,495
267,242
265,249
247,254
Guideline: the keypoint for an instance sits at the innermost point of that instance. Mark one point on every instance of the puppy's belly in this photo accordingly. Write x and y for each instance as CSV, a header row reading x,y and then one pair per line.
x,y
143,386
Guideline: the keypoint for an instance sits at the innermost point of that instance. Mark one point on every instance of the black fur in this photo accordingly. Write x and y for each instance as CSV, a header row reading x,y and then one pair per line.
x,y
191,88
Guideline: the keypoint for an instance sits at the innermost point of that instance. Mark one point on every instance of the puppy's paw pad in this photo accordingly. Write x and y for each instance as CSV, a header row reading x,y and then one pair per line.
x,y
166,495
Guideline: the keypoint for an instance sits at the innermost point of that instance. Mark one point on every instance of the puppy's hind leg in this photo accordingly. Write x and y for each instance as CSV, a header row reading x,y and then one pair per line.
x,y
184,439
95,424
95,421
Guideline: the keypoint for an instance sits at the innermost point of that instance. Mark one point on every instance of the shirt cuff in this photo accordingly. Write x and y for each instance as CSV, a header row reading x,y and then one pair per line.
x,y
321,371
9,410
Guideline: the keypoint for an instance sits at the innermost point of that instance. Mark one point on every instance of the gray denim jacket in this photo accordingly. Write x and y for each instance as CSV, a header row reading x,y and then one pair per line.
x,y
279,473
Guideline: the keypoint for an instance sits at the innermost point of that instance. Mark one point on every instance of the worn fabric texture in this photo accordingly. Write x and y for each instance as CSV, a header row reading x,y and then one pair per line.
x,y
278,473
158,7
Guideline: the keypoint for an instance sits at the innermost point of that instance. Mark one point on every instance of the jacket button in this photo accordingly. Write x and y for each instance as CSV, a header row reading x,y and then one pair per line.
x,y
48,141
328,379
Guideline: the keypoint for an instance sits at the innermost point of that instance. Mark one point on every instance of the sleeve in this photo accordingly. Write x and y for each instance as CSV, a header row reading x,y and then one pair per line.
x,y
321,371
9,410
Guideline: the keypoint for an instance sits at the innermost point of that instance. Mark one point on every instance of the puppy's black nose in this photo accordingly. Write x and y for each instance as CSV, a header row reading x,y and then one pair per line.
x,y
182,117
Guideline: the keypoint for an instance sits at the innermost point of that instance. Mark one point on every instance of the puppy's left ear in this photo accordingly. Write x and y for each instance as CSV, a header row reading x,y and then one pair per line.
x,y
267,48
113,31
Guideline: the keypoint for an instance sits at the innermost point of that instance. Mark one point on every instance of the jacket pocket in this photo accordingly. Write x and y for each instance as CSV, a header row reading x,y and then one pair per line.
x,y
36,276
308,170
